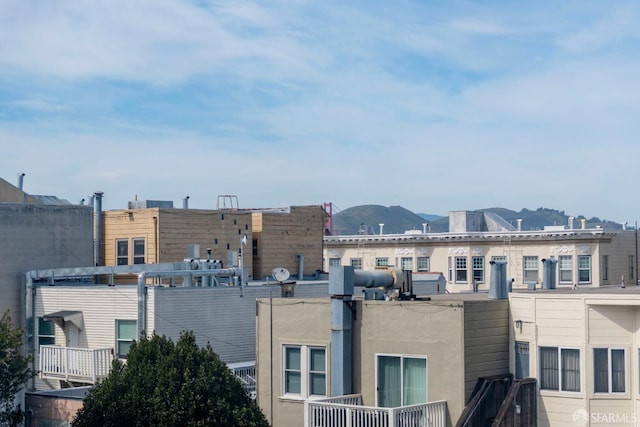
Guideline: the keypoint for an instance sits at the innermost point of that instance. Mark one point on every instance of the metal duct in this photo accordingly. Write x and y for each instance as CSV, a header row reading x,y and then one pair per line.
x,y
341,282
185,203
549,273
20,180
498,282
97,223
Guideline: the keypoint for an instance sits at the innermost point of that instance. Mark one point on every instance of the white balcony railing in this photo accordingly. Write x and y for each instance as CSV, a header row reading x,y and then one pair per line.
x,y
347,411
81,365
246,373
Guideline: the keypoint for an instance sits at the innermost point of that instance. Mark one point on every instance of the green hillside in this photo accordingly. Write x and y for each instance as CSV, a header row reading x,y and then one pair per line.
x,y
365,219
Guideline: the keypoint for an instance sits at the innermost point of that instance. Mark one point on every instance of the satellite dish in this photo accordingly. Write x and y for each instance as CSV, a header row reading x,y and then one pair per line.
x,y
280,274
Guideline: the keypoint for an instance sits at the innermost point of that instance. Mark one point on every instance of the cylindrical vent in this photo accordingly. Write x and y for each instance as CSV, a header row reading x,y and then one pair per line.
x,y
549,273
20,180
185,203
97,244
381,228
571,222
498,282
519,221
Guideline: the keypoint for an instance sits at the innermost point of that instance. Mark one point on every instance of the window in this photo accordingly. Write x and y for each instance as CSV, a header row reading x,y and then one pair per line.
x,y
631,266
477,263
334,262
461,269
46,332
608,370
406,263
356,263
584,269
254,248
127,332
565,268
382,262
317,372
450,268
559,369
604,267
122,252
305,371
424,264
138,251
530,273
401,380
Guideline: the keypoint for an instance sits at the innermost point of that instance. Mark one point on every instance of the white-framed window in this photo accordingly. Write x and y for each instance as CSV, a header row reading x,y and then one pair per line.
x,y
584,268
565,268
559,369
46,332
461,269
138,250
609,370
126,334
304,371
604,267
335,262
530,266
400,380
406,263
382,261
356,263
424,263
477,264
122,252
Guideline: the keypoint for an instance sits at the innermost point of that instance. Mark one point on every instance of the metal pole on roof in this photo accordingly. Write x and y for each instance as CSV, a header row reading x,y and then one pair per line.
x,y
636,233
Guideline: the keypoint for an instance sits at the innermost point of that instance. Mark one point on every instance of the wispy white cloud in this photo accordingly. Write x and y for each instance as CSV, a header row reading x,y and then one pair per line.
x,y
433,106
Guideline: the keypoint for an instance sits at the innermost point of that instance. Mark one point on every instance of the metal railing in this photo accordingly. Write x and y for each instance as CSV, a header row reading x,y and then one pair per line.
x,y
75,364
347,411
246,373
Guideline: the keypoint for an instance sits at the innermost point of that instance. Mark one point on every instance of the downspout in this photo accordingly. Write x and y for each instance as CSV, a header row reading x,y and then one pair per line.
x,y
30,307
142,303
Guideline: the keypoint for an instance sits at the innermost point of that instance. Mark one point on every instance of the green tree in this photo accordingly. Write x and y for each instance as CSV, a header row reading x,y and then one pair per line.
x,y
14,371
167,384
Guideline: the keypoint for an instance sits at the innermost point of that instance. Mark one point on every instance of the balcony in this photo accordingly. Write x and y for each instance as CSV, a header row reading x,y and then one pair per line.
x,y
347,411
80,365
246,373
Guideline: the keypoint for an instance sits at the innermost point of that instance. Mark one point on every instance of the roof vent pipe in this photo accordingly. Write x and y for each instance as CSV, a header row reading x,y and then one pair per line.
x,y
185,203
97,224
300,267
20,180
424,227
571,222
519,220
583,223
498,281
381,228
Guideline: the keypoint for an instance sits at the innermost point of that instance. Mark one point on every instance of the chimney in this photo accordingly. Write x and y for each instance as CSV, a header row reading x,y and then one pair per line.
x,y
519,221
583,222
381,228
424,227
571,222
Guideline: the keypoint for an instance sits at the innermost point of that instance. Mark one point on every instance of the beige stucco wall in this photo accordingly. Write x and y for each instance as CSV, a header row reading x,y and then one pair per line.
x,y
432,329
281,322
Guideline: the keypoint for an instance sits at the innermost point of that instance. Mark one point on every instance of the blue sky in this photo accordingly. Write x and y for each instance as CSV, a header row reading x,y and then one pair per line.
x,y
431,105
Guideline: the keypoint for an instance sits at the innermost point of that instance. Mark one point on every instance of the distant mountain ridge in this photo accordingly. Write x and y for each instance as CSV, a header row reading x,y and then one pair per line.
x,y
366,219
